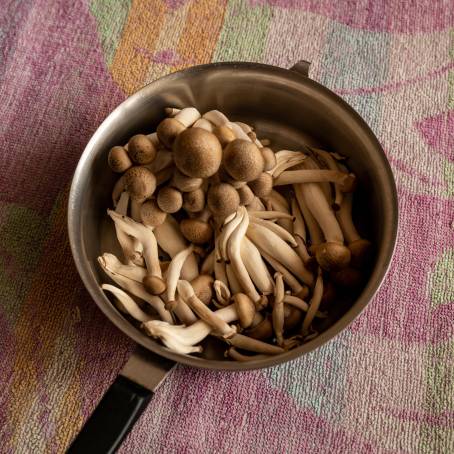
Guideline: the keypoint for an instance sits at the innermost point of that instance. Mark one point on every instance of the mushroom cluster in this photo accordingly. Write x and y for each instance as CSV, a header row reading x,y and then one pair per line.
x,y
222,236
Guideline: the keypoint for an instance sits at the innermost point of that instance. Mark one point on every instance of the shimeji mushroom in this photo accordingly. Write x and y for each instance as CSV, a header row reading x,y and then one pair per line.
x,y
170,200
141,149
133,272
171,241
127,304
196,230
174,272
270,243
153,281
245,308
204,124
222,199
360,248
314,303
270,215
246,195
197,153
140,183
278,309
222,293
194,201
216,117
170,128
181,339
218,325
253,345
233,282
203,288
224,134
208,264
344,180
299,233
278,230
119,160
269,158
137,289
262,186
243,160
277,202
151,214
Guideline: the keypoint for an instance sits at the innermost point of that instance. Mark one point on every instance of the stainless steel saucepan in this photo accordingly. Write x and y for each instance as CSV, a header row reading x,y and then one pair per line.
x,y
285,106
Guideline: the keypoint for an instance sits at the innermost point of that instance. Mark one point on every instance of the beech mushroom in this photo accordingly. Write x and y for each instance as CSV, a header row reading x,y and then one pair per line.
x,y
263,185
174,272
278,309
246,195
360,248
203,288
219,326
194,201
196,231
292,318
222,199
245,308
140,183
344,180
314,303
170,128
151,214
243,160
254,345
185,183
182,339
119,160
141,149
133,272
269,158
278,230
299,233
197,153
263,330
169,199
203,124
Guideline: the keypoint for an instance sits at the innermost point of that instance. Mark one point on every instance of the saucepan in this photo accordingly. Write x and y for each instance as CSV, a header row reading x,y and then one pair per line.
x,y
287,107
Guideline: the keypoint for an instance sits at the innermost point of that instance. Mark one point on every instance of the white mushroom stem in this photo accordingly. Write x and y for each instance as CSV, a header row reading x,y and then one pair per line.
x,y
270,215
219,326
135,210
145,235
274,246
278,230
331,163
126,303
188,116
312,176
239,133
208,264
138,290
219,265
171,240
315,233
256,205
203,123
163,160
234,253
122,204
283,166
322,212
232,280
278,202
174,271
278,309
344,216
182,339
299,232
301,305
222,292
291,280
256,266
184,313
171,111
226,233
249,132
216,117
314,303
136,273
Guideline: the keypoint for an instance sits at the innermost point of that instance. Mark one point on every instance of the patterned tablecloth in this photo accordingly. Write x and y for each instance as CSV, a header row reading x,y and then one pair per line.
x,y
385,384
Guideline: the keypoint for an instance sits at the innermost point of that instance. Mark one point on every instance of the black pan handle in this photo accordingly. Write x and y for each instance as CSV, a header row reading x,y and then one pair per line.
x,y
122,404
112,419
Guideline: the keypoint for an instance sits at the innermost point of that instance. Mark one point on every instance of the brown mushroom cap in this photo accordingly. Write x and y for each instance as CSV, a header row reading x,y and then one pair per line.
x,y
246,195
141,149
197,153
196,231
243,160
185,183
154,284
264,330
269,158
194,201
118,159
168,130
292,316
332,256
203,288
169,199
151,214
361,251
224,134
245,308
263,185
223,199
140,183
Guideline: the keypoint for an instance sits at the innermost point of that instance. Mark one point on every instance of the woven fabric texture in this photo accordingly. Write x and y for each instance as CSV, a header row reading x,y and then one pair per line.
x,y
385,384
